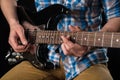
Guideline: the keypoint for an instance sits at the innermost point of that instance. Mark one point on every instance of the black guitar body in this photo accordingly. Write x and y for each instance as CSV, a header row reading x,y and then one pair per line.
x,y
47,18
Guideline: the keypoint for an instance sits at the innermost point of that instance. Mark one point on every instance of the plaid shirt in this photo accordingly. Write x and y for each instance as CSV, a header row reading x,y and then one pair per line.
x,y
90,14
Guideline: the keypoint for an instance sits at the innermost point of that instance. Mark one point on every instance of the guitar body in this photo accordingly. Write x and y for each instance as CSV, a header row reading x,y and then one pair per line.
x,y
48,18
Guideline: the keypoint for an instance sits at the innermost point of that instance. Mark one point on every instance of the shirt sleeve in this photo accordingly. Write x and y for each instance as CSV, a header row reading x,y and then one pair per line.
x,y
111,8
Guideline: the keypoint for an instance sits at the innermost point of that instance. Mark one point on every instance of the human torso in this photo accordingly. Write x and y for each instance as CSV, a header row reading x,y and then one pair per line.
x,y
89,19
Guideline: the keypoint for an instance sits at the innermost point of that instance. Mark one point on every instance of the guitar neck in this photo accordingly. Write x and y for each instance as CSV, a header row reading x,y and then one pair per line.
x,y
97,39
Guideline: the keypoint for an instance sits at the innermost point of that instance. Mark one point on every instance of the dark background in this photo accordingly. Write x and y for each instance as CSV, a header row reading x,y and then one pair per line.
x,y
114,62
113,53
4,32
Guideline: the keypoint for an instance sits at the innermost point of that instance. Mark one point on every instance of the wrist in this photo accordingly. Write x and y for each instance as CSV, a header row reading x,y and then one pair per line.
x,y
13,22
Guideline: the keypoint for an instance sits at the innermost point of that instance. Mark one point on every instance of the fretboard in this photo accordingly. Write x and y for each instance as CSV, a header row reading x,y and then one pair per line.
x,y
97,39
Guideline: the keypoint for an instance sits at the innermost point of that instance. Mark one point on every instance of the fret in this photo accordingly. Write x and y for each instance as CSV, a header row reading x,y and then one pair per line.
x,y
107,39
43,37
103,38
57,41
79,37
94,39
112,39
88,39
56,37
47,37
61,34
82,38
51,37
98,39
85,39
73,36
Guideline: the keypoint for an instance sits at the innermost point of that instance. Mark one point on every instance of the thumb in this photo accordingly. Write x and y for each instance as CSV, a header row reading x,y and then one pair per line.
x,y
74,28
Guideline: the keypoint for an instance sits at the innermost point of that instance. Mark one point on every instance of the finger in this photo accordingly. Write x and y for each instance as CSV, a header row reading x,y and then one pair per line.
x,y
15,46
69,46
72,28
81,51
84,48
22,37
65,51
24,49
77,28
65,39
14,43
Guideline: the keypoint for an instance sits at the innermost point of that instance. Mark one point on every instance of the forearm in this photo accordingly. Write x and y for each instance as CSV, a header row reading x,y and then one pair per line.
x,y
9,11
112,25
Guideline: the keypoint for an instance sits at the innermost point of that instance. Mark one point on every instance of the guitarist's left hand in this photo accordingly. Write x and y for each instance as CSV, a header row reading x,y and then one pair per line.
x,y
70,48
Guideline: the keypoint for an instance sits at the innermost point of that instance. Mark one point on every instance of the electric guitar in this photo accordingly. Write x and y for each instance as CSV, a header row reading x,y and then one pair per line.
x,y
48,19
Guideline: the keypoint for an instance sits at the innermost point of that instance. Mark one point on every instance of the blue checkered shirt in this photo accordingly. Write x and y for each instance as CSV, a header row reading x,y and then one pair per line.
x,y
89,15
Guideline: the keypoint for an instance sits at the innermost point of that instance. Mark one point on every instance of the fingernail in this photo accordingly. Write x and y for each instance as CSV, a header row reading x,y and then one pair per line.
x,y
69,25
24,43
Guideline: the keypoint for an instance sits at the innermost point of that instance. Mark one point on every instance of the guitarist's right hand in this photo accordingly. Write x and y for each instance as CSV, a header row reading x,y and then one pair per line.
x,y
16,36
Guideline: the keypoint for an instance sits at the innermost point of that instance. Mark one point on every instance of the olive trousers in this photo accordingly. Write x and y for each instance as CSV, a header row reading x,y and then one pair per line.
x,y
26,71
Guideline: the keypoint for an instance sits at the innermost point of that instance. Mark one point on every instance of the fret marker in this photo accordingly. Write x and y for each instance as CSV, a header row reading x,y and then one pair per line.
x,y
99,39
74,38
39,36
43,36
85,38
117,40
